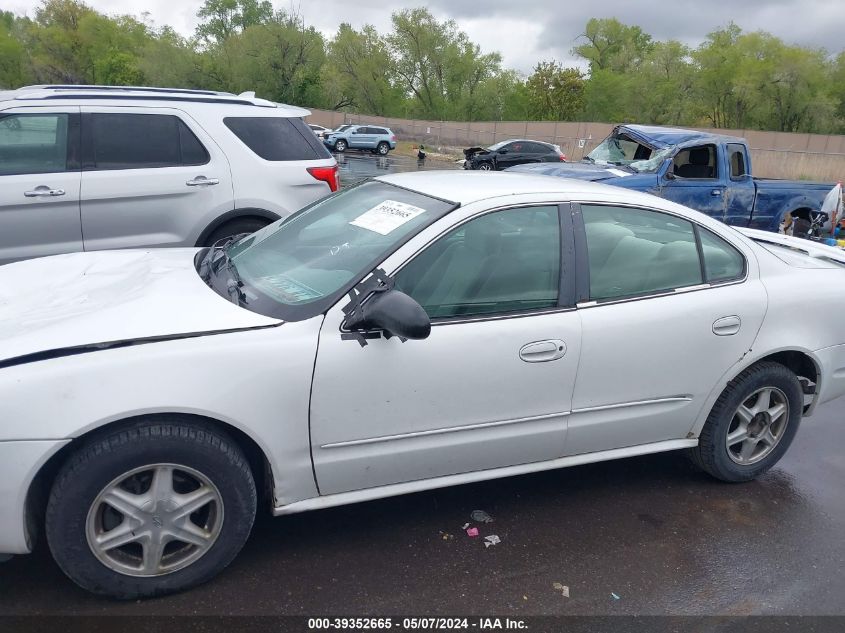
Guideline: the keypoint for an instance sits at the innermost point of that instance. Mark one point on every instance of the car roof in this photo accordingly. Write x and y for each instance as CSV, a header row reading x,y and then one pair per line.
x,y
668,136
120,95
465,187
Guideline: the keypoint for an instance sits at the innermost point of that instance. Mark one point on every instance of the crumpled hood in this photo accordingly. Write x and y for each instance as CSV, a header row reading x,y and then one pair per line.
x,y
579,171
79,299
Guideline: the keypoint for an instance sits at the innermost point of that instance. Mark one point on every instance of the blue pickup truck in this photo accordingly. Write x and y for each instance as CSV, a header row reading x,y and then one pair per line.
x,y
707,172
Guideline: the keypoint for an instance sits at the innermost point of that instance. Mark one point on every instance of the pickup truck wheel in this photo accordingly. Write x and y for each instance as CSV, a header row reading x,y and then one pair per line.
x,y
383,148
151,509
235,227
340,146
751,425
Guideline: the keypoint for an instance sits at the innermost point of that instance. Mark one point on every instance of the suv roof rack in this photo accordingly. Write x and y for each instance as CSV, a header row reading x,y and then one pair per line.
x,y
134,93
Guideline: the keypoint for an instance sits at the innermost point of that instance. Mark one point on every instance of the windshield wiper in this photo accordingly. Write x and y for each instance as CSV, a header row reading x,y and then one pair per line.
x,y
589,159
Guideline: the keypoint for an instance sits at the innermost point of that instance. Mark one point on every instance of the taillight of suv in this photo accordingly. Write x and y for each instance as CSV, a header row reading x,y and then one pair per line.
x,y
326,174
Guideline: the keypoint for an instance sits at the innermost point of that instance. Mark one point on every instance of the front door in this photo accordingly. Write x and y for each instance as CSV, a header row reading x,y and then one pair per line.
x,y
148,179
490,387
696,181
39,182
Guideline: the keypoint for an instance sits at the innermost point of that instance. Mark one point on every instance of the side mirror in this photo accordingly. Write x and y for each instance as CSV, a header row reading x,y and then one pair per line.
x,y
395,313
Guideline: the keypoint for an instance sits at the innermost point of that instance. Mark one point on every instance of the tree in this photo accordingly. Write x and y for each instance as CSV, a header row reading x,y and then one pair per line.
x,y
555,93
220,19
360,72
13,68
439,66
611,45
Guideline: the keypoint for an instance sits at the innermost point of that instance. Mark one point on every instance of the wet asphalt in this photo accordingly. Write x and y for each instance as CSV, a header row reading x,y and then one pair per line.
x,y
356,166
663,537
652,531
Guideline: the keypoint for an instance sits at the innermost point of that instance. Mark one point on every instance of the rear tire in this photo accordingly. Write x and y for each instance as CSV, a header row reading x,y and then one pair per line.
x,y
120,470
751,425
382,148
235,227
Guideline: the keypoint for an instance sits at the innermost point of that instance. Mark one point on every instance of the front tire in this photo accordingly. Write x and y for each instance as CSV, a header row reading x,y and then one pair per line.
x,y
485,166
151,509
340,146
751,425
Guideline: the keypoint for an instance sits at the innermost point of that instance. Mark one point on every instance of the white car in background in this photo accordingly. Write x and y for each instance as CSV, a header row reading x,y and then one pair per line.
x,y
415,331
319,130
102,167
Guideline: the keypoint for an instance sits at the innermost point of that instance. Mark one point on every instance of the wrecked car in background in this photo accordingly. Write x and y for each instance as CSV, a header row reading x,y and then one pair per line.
x,y
512,152
707,172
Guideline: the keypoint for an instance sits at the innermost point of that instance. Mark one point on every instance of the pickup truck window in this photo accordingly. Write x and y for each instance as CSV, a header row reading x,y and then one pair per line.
x,y
620,149
696,162
722,262
638,251
736,159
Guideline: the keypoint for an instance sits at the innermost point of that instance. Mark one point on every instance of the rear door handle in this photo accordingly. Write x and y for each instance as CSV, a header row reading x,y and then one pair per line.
x,y
200,181
542,351
43,191
727,326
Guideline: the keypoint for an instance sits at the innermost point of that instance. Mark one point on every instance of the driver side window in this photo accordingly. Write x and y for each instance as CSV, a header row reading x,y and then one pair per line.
x,y
504,261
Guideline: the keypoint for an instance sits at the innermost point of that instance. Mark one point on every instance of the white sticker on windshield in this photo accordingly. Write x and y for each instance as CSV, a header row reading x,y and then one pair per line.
x,y
618,172
387,216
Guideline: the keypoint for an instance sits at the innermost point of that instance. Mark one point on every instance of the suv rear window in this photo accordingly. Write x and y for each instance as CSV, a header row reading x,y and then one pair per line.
x,y
277,138
136,141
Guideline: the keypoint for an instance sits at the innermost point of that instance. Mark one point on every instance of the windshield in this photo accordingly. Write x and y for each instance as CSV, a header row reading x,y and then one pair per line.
x,y
498,145
297,267
621,150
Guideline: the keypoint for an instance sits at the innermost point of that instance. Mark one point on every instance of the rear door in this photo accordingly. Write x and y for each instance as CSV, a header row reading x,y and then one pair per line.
x,y
659,327
39,182
148,178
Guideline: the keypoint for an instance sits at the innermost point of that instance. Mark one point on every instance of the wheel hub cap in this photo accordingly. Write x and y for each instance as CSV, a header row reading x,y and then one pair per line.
x,y
757,426
154,520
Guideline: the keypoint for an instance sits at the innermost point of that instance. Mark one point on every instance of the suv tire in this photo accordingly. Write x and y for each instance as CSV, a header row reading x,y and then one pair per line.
x,y
235,227
383,148
340,146
136,484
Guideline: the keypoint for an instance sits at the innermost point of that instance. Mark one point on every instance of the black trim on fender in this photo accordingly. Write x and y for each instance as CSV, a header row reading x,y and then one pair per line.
x,y
236,214
61,352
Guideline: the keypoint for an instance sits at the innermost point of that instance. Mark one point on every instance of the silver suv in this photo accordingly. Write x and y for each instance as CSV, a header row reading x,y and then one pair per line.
x,y
99,167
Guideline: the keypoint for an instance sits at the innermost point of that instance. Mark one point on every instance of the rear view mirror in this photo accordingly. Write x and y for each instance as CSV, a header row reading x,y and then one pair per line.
x,y
393,312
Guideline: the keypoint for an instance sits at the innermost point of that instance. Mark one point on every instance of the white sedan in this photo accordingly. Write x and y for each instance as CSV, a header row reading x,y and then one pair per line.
x,y
415,331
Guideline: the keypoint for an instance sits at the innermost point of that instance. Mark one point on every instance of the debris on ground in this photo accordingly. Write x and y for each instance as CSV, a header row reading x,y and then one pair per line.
x,y
473,531
615,597
563,589
481,516
466,525
447,536
493,539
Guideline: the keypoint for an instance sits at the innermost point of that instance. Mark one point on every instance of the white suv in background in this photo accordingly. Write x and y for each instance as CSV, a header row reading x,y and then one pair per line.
x,y
102,167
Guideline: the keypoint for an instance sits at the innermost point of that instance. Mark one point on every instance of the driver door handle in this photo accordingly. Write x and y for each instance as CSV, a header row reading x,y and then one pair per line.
x,y
542,351
200,181
716,192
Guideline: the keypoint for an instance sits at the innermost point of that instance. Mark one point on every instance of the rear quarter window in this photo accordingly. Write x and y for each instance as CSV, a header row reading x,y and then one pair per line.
x,y
277,138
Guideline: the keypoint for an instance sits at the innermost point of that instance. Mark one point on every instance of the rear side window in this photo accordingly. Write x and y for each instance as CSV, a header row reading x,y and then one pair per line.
x,y
638,251
139,141
277,138
377,130
33,143
737,160
722,262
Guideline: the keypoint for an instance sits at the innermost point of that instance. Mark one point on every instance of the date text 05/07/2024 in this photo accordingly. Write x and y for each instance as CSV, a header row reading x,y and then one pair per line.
x,y
416,624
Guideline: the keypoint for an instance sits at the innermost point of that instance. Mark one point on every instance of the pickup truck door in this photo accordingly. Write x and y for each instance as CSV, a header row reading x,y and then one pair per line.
x,y
696,179
741,190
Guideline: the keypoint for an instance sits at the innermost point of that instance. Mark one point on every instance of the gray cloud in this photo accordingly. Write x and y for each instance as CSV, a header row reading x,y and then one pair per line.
x,y
528,31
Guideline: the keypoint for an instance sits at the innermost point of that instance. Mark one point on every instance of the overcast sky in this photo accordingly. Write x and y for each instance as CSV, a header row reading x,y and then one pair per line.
x,y
526,31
